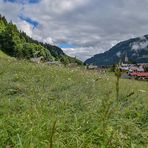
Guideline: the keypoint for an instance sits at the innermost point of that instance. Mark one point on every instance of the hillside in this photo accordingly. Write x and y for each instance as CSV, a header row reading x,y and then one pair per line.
x,y
17,44
3,55
77,108
135,49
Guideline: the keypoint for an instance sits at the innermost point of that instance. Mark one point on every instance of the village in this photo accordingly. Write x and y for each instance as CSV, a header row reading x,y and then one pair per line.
x,y
135,71
138,71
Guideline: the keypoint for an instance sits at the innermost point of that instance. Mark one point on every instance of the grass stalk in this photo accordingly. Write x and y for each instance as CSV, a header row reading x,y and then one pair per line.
x,y
52,134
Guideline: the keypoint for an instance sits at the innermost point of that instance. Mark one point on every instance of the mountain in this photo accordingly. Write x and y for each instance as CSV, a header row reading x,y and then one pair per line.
x,y
17,44
134,50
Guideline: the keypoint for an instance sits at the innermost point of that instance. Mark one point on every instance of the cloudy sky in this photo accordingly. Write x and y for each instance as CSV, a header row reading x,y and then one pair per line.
x,y
81,28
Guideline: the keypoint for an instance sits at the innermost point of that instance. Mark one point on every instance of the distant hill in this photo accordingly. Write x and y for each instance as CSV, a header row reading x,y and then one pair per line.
x,y
134,50
17,44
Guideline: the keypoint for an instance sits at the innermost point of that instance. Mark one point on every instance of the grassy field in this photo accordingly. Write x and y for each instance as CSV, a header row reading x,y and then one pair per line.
x,y
45,106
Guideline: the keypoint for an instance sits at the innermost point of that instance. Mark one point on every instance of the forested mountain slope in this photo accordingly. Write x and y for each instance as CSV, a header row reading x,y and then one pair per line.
x,y
136,50
17,44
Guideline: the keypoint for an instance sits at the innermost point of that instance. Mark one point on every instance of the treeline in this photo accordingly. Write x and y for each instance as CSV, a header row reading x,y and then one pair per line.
x,y
17,44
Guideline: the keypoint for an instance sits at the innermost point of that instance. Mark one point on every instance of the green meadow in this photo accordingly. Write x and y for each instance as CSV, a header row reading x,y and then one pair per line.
x,y
43,106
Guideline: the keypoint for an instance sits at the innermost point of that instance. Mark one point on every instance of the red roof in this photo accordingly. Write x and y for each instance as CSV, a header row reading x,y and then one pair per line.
x,y
140,74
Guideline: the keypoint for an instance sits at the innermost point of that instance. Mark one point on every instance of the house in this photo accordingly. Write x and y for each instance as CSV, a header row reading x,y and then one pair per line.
x,y
92,67
124,68
140,75
36,59
141,68
73,65
137,68
53,63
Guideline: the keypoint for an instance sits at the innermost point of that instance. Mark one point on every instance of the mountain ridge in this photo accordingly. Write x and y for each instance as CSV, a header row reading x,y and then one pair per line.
x,y
18,44
135,49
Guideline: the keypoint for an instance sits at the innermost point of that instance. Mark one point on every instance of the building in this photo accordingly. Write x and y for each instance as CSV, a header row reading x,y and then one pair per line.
x,y
53,63
126,58
37,59
92,67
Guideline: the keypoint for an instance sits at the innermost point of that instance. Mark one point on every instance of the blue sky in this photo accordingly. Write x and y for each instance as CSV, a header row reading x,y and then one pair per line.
x,y
66,45
32,22
23,1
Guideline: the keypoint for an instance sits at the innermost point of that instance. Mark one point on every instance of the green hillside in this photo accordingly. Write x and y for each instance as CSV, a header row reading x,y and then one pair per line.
x,y
17,44
3,55
48,106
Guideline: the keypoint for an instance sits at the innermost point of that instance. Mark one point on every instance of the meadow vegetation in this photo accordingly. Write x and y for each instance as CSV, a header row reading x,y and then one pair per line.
x,y
61,107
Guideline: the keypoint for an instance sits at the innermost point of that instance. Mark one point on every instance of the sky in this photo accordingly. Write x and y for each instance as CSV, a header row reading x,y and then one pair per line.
x,y
82,28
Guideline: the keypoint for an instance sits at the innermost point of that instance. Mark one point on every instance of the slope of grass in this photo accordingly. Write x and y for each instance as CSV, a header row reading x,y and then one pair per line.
x,y
3,55
47,106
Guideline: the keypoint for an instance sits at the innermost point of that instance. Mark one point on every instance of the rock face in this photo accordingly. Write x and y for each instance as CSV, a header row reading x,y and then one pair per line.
x,y
132,51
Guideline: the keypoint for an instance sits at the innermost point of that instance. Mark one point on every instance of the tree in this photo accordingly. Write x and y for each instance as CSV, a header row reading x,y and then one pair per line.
x,y
146,68
65,60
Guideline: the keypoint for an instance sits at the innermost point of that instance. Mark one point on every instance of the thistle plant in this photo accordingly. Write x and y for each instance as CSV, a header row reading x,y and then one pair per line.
x,y
118,75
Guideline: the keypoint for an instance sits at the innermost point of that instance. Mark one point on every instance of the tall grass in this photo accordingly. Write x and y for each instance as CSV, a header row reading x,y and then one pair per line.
x,y
58,107
52,134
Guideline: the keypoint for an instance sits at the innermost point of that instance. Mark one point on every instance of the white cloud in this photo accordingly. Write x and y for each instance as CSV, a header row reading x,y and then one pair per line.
x,y
139,45
63,6
143,43
118,54
48,40
82,53
24,26
9,10
93,26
